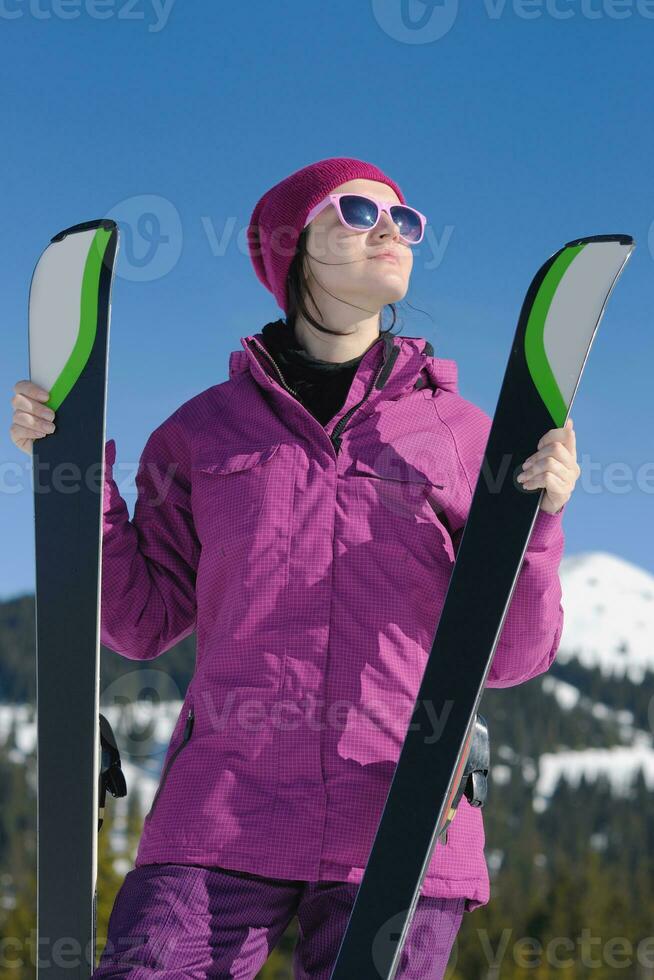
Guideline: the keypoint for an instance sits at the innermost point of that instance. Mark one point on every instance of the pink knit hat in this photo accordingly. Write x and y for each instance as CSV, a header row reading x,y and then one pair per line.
x,y
278,217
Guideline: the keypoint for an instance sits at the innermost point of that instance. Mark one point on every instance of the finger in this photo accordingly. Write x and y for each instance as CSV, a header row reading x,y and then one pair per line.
x,y
32,406
31,421
32,390
554,450
18,431
550,481
540,469
552,435
555,485
560,452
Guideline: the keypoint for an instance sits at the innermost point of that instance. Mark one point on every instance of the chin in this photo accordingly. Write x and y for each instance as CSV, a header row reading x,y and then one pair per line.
x,y
394,295
390,288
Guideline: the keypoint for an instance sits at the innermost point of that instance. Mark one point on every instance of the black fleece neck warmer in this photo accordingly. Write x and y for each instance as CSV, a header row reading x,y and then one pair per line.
x,y
322,387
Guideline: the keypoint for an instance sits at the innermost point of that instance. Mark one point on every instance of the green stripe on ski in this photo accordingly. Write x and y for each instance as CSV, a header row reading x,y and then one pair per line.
x,y
537,362
87,323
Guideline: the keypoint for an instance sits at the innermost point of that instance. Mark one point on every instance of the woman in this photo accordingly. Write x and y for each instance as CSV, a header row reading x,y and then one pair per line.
x,y
303,518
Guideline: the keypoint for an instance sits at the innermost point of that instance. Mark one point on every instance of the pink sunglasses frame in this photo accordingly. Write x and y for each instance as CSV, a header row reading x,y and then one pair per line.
x,y
381,205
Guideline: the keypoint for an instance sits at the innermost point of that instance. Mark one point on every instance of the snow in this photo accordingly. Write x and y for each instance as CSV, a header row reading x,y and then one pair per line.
x,y
569,697
619,763
141,771
608,606
566,695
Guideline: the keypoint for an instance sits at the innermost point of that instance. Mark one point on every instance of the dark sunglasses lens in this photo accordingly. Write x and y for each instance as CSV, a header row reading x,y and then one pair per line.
x,y
358,211
408,221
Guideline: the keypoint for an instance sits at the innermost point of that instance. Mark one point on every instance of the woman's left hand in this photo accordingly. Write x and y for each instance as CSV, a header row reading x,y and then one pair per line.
x,y
554,466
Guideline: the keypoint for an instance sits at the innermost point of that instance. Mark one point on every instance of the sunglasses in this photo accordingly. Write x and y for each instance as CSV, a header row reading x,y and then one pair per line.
x,y
361,213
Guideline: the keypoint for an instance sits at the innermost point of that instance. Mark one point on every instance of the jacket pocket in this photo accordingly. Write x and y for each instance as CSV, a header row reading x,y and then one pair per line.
x,y
188,730
230,492
233,460
408,502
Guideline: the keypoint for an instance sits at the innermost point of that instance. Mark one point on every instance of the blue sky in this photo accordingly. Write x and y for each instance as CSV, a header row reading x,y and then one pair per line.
x,y
514,126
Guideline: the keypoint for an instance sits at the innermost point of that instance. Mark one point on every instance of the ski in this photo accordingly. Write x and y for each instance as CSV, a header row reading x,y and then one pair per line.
x,y
556,328
77,757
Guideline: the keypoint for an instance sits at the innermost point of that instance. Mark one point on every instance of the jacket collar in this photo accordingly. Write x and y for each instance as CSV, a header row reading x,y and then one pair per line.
x,y
404,361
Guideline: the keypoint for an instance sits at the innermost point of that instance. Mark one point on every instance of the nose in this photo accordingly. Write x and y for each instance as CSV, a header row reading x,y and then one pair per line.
x,y
386,226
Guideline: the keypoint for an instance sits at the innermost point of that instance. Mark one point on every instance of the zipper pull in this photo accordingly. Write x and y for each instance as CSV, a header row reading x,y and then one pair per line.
x,y
188,728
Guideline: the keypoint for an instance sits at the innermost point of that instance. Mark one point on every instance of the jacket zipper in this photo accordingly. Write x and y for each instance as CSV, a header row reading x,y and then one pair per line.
x,y
336,434
188,728
338,428
265,353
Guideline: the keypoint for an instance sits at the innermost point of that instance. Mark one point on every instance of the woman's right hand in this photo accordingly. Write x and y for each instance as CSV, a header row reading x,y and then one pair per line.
x,y
31,419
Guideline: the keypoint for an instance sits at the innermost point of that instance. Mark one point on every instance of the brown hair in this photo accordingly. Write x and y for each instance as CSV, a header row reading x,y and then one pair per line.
x,y
298,288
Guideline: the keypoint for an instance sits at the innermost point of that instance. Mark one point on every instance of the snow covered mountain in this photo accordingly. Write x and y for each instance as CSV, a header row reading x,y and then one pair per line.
x,y
608,606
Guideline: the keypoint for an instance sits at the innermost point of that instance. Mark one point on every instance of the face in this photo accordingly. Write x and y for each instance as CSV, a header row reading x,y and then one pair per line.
x,y
348,266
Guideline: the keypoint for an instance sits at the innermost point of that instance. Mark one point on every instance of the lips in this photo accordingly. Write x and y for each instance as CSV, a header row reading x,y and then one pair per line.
x,y
387,255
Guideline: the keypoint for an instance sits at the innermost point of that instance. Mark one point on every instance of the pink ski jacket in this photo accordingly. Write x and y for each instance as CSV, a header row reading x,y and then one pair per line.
x,y
312,561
